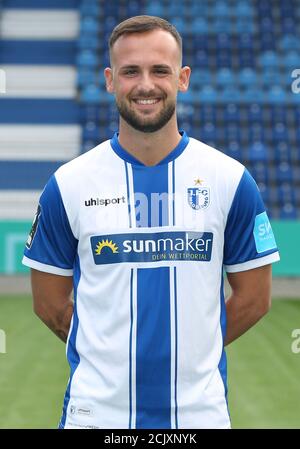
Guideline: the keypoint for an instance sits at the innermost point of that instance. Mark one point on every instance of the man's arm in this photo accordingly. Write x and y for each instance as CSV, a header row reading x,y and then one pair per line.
x,y
52,301
249,301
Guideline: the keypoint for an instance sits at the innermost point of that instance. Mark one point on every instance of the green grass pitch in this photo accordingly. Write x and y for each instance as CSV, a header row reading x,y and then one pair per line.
x,y
263,372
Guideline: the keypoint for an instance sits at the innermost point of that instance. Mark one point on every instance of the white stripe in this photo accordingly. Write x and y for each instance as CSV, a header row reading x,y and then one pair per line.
x,y
39,24
255,263
40,81
131,195
133,349
18,204
173,348
39,142
170,190
46,268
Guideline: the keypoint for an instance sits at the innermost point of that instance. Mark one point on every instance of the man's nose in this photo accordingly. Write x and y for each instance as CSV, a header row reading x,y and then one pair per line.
x,y
146,83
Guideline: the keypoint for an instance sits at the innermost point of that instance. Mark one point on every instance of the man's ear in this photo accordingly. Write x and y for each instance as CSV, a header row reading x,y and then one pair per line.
x,y
109,80
184,79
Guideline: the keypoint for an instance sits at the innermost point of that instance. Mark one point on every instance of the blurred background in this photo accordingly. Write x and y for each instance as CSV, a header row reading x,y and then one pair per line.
x,y
244,100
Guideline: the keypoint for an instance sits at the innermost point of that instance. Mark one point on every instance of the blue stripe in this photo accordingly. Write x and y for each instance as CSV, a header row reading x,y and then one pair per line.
x,y
29,175
130,350
176,346
128,194
153,351
223,360
173,193
37,111
144,180
45,4
41,52
72,354
153,339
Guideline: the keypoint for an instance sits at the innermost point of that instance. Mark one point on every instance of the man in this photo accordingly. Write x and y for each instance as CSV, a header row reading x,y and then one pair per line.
x,y
141,227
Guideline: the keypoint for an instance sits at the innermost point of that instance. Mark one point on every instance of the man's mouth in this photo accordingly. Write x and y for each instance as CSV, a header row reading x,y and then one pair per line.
x,y
148,101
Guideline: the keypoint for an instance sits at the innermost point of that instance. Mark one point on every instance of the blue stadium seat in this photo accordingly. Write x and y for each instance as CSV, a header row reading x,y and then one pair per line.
x,y
208,132
207,94
89,42
288,212
276,95
90,9
252,93
245,41
284,172
270,76
289,42
233,150
291,60
85,76
91,131
256,132
269,59
154,9
230,94
233,132
87,58
221,10
231,113
255,112
199,77
207,113
280,132
244,25
223,41
289,25
243,9
282,152
91,94
247,77
257,152
286,193
198,26
90,25
225,77
260,172
224,58
201,59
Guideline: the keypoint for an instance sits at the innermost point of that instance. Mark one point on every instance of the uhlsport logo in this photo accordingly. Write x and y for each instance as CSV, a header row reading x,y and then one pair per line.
x,y
152,247
198,197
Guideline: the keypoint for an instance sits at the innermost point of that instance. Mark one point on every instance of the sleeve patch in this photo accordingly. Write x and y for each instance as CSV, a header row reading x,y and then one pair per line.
x,y
33,227
263,234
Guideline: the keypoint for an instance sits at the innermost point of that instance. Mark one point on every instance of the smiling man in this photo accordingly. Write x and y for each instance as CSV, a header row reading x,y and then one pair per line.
x,y
147,329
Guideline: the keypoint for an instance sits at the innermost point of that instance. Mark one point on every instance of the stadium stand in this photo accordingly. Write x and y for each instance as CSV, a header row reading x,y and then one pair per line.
x,y
242,55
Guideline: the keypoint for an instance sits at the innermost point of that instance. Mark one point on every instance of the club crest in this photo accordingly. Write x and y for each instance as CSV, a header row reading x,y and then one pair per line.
x,y
198,197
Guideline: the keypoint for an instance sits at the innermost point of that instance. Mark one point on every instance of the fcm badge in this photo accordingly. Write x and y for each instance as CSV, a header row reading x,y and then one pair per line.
x,y
198,197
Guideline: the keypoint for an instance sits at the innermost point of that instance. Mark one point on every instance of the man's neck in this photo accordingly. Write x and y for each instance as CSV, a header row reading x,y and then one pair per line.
x,y
149,148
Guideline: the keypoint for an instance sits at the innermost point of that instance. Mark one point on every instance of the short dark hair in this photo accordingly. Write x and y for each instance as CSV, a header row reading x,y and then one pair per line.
x,y
142,24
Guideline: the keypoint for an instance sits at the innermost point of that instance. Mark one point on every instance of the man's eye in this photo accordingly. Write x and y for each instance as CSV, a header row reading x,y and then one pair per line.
x,y
161,71
130,72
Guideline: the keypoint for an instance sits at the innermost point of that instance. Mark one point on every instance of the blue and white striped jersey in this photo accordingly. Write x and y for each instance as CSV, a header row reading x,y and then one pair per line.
x,y
146,247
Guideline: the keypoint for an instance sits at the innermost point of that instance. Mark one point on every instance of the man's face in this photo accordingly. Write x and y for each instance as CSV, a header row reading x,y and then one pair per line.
x,y
145,77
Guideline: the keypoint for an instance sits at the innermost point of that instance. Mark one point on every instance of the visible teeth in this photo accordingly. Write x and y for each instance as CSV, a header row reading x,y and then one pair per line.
x,y
146,101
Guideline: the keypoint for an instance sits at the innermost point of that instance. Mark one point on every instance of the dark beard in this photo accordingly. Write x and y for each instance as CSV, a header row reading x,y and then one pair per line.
x,y
133,120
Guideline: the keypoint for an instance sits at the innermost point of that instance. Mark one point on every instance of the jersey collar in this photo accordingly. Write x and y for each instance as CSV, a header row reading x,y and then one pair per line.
x,y
122,153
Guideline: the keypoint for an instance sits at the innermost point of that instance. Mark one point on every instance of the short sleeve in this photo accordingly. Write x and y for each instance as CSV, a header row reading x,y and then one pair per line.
x,y
249,240
51,245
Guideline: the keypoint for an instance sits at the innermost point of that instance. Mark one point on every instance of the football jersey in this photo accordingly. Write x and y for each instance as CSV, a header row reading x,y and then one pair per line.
x,y
147,246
